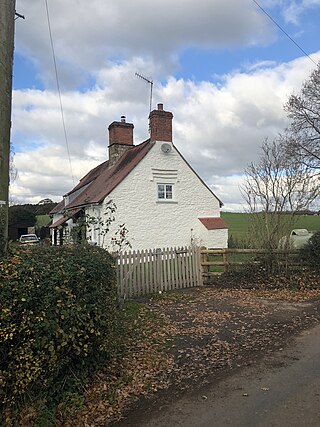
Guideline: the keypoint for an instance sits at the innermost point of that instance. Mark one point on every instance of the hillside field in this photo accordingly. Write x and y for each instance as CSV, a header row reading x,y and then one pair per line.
x,y
238,223
42,221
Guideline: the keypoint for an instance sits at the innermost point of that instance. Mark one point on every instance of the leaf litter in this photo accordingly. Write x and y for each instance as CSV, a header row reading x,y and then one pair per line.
x,y
184,339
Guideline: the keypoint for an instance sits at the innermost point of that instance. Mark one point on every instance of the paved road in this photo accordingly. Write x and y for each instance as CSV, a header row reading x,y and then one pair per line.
x,y
283,390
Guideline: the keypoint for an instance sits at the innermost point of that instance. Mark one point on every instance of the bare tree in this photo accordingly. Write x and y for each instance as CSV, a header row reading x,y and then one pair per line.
x,y
276,188
302,137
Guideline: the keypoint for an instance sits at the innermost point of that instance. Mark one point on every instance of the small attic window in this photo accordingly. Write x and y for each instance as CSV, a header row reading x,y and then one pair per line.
x,y
165,192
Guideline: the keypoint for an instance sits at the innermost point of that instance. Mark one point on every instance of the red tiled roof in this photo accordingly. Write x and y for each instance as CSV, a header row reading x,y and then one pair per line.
x,y
102,179
59,222
213,223
58,208
91,176
64,218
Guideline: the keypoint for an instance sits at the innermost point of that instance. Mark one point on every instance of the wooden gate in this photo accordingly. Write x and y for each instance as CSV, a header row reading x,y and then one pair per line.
x,y
150,271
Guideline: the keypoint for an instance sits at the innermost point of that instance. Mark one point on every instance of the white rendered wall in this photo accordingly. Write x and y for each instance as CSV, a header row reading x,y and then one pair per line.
x,y
152,223
95,231
55,218
216,239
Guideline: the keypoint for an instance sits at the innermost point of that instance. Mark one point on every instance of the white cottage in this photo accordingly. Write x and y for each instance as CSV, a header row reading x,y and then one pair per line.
x,y
159,198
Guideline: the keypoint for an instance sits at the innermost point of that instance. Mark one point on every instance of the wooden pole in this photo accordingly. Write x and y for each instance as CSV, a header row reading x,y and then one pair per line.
x,y
204,268
7,15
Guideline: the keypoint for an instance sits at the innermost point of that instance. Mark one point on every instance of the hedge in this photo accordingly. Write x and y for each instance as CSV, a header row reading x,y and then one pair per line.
x,y
310,253
58,320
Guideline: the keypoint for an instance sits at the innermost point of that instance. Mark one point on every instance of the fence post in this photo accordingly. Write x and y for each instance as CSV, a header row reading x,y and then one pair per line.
x,y
116,266
197,265
225,260
204,269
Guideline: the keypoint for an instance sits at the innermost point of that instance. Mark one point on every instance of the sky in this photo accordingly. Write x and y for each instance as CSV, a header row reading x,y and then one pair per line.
x,y
222,67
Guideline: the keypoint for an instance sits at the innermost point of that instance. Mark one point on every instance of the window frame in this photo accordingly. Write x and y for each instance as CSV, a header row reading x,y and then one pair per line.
x,y
165,191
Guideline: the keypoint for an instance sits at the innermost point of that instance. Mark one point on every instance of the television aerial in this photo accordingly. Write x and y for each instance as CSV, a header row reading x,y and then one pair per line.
x,y
149,81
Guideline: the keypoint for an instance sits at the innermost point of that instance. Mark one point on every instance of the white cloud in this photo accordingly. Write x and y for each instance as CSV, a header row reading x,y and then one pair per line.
x,y
294,9
87,34
218,128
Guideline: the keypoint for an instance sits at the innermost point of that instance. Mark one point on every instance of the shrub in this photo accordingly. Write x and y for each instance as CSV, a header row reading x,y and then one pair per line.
x,y
58,320
310,253
239,243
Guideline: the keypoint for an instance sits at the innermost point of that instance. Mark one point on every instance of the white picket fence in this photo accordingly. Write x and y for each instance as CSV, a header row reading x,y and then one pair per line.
x,y
150,271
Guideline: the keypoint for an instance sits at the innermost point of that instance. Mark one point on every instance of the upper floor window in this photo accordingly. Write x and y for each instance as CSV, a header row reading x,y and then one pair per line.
x,y
165,191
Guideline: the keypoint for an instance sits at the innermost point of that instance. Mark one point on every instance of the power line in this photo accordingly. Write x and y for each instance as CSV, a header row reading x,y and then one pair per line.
x,y
284,32
58,87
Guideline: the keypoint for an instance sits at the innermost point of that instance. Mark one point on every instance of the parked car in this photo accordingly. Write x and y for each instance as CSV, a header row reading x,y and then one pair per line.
x,y
29,239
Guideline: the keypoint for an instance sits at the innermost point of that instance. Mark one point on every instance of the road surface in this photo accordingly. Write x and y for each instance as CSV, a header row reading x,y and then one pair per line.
x,y
281,390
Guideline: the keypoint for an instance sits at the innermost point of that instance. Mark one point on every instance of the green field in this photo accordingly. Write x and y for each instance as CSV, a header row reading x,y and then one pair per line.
x,y
238,223
42,221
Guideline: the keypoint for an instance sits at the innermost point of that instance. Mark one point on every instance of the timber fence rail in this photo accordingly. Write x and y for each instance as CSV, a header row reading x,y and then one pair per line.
x,y
225,263
150,271
159,270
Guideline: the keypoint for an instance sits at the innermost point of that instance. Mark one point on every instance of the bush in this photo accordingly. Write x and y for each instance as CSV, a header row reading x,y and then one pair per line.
x,y
310,253
238,243
58,320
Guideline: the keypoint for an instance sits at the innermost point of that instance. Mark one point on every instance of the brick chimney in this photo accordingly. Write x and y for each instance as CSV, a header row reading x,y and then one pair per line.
x,y
120,139
160,125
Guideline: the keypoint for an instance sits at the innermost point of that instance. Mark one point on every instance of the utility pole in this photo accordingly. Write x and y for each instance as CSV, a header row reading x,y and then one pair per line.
x,y
7,16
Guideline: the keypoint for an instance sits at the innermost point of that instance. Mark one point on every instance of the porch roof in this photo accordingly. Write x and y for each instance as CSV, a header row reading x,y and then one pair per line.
x,y
65,218
213,223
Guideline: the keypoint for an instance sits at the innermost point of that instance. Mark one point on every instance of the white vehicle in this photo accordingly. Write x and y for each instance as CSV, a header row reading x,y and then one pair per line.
x,y
29,239
297,239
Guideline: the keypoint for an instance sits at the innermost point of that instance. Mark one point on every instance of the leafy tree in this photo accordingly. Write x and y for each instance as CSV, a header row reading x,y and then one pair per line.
x,y
302,138
19,214
37,209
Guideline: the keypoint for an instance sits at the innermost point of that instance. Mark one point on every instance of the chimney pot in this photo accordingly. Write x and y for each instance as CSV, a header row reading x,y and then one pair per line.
x,y
123,119
160,107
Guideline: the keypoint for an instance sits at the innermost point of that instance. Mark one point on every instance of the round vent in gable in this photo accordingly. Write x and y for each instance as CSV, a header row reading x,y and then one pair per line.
x,y
166,148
